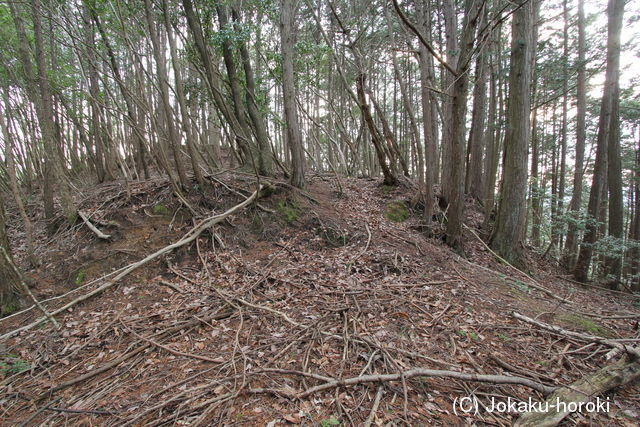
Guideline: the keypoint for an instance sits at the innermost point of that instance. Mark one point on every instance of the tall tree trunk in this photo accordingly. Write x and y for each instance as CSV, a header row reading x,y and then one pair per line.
x,y
161,72
615,10
536,191
40,95
241,139
15,189
614,181
265,160
458,115
140,150
492,159
474,179
450,84
182,102
508,235
571,244
294,137
12,278
429,114
635,251
408,108
248,147
95,134
558,223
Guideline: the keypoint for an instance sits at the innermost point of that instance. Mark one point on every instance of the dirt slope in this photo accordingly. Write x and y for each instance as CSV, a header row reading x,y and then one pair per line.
x,y
239,326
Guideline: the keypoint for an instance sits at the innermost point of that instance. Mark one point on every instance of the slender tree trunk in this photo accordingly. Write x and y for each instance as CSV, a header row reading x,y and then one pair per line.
x,y
140,150
474,179
294,137
458,115
265,161
182,102
571,244
211,76
408,108
15,189
615,11
536,192
508,236
451,83
492,159
161,72
12,278
51,138
614,181
40,96
429,114
635,251
559,223
236,91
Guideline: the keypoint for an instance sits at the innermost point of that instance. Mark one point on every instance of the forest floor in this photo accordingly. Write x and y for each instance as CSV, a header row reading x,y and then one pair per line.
x,y
253,322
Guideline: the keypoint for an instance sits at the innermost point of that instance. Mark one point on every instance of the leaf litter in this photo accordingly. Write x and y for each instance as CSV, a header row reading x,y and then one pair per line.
x,y
269,321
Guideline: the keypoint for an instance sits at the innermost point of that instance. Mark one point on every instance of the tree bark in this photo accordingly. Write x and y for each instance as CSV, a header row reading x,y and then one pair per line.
x,y
458,128
265,155
581,391
15,189
571,243
508,236
211,77
11,282
492,159
247,146
429,114
450,84
182,101
140,140
615,11
294,136
39,94
474,179
161,72
616,202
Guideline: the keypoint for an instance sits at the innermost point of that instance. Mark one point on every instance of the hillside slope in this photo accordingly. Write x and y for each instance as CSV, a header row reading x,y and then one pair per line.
x,y
249,324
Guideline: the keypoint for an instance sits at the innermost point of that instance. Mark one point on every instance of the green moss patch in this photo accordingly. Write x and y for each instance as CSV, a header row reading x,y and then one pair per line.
x,y
396,211
289,210
586,325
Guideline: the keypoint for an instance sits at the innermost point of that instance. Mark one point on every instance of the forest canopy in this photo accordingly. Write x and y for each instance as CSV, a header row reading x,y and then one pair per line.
x,y
528,108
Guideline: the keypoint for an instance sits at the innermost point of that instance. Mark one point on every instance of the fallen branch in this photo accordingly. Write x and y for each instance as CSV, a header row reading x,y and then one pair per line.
x,y
422,372
129,355
577,395
175,352
189,237
172,286
374,408
600,288
93,228
26,289
531,281
635,352
39,411
352,260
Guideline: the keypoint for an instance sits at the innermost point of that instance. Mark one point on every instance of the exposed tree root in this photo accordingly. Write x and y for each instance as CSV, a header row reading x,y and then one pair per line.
x,y
92,227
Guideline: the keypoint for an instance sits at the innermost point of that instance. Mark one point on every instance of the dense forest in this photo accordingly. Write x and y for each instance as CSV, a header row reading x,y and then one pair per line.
x,y
319,213
528,108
